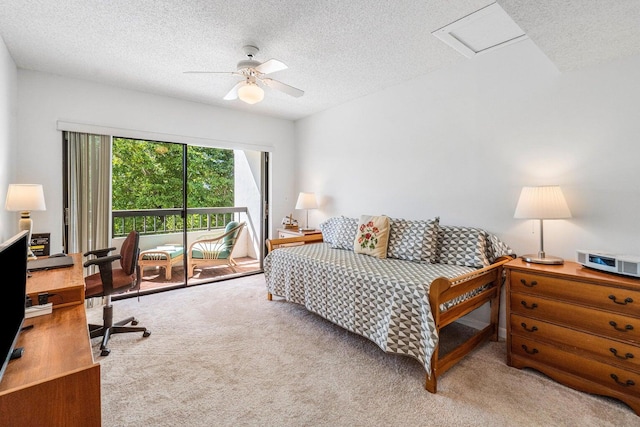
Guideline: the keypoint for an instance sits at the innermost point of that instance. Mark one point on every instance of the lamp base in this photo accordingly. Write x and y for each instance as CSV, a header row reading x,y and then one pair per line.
x,y
537,259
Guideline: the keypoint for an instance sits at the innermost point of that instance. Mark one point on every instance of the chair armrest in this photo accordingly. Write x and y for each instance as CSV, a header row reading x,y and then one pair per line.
x,y
99,252
105,260
105,265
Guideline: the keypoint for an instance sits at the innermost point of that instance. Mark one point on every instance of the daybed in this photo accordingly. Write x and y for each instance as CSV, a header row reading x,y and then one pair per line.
x,y
430,276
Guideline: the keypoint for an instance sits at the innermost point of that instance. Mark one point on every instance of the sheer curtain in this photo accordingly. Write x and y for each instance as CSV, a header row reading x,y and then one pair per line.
x,y
88,191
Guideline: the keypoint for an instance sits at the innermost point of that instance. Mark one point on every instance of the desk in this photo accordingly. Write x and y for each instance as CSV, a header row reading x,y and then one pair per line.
x,y
64,285
56,381
284,233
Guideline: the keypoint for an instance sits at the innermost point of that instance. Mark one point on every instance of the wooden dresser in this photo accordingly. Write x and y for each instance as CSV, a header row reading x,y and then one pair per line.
x,y
579,326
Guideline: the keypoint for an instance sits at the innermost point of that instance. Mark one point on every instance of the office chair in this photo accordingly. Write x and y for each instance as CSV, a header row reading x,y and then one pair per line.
x,y
114,281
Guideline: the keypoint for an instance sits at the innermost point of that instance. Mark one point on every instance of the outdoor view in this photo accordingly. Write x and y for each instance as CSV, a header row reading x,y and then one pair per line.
x,y
148,175
148,196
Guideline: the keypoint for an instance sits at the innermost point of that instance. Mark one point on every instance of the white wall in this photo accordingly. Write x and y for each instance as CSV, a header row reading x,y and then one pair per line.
x,y
248,167
461,142
45,99
8,137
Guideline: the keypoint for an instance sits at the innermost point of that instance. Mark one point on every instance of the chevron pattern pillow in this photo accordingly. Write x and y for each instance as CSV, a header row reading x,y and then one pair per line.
x,y
466,246
329,229
345,233
413,240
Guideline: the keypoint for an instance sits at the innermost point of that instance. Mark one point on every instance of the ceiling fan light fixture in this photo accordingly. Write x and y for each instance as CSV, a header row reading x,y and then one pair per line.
x,y
250,93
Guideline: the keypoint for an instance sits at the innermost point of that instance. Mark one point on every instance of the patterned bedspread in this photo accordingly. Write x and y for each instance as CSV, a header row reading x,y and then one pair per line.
x,y
384,300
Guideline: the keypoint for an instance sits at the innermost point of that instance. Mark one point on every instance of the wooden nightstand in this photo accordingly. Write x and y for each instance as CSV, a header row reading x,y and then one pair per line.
x,y
284,233
579,326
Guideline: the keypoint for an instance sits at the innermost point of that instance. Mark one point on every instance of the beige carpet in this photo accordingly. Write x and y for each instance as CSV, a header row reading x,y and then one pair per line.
x,y
222,355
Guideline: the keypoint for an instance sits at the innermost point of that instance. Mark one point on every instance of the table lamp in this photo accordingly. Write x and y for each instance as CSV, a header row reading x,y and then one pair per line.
x,y
25,198
542,203
306,201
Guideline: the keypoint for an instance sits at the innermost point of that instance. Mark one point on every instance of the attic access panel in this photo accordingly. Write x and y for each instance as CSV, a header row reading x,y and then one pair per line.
x,y
484,30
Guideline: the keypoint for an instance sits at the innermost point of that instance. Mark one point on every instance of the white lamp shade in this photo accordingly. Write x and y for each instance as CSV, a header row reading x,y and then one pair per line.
x,y
25,197
307,201
545,202
250,93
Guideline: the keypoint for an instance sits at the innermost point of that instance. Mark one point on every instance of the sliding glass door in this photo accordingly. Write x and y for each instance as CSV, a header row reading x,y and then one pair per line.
x,y
177,196
149,195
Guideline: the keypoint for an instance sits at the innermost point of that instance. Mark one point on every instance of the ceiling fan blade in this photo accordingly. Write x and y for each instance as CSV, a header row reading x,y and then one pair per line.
x,y
233,93
213,72
271,66
289,90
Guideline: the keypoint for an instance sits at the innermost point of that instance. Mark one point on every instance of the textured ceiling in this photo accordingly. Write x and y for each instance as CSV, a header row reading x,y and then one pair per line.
x,y
336,50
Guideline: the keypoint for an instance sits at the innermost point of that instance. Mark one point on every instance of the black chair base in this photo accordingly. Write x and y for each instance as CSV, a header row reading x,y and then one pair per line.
x,y
109,328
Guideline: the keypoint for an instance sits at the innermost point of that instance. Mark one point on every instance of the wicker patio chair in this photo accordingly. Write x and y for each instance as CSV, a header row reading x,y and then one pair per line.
x,y
213,251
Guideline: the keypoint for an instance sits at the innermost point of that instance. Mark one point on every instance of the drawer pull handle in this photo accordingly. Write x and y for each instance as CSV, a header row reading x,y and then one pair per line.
x,y
623,384
532,351
625,329
625,302
625,357
529,307
524,282
531,329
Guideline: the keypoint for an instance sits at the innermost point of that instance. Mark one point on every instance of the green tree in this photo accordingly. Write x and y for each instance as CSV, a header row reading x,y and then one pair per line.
x,y
148,175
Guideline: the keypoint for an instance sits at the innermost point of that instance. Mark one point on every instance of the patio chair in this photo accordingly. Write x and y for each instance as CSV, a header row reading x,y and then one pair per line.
x,y
211,251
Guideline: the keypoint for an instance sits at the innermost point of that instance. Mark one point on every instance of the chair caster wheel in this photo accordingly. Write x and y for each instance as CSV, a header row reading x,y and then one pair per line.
x,y
105,352
134,322
146,334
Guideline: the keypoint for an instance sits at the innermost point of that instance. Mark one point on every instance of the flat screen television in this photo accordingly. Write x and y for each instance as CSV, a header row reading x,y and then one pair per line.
x,y
13,293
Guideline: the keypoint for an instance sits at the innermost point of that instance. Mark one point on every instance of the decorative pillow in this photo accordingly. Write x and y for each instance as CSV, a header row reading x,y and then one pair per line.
x,y
498,248
466,246
372,236
413,240
329,228
345,233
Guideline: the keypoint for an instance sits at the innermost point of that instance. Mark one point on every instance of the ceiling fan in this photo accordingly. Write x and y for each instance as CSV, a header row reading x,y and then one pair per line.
x,y
253,75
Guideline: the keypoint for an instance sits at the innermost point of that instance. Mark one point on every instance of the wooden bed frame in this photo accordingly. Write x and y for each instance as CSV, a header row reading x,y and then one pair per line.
x,y
443,290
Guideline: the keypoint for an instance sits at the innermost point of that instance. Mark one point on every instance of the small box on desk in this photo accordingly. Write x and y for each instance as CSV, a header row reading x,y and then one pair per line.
x,y
40,244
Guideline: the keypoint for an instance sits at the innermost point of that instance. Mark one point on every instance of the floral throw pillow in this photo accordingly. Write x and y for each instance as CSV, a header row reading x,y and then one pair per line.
x,y
372,236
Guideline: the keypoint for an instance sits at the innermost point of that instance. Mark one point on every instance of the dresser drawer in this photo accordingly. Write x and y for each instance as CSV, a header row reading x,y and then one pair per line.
x,y
605,297
606,350
615,378
583,318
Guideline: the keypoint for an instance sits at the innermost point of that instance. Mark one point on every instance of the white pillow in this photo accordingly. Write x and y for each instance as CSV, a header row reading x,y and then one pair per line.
x,y
372,236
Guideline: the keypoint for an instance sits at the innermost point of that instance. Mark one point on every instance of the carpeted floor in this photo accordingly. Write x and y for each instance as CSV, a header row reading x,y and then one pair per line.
x,y
222,355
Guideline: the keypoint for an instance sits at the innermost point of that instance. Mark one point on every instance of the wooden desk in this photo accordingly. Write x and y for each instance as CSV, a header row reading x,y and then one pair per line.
x,y
64,285
56,381
284,233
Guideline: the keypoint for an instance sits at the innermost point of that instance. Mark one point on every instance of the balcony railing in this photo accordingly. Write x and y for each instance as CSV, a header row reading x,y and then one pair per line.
x,y
163,221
